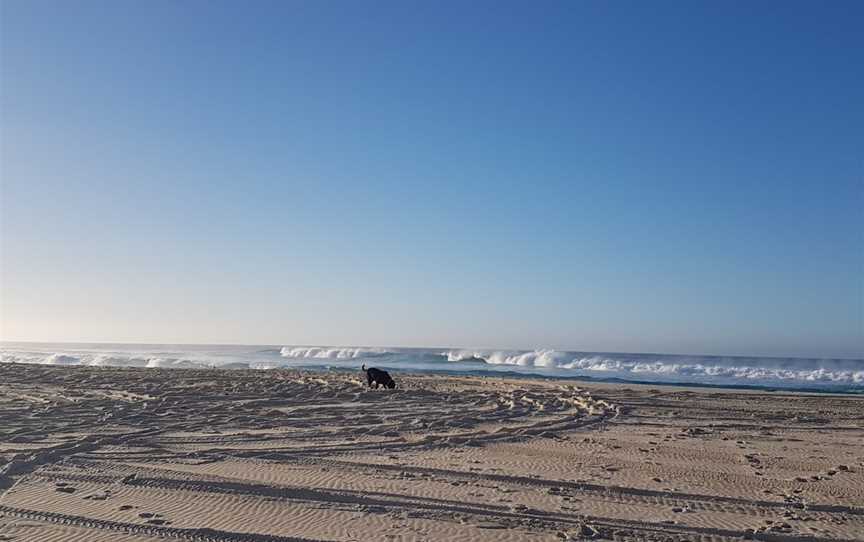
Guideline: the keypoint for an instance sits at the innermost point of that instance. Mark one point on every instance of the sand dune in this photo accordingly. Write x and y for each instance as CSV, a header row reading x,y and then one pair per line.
x,y
91,454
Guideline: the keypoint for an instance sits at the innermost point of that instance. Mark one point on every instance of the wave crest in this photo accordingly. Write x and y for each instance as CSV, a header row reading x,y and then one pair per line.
x,y
698,368
537,358
329,352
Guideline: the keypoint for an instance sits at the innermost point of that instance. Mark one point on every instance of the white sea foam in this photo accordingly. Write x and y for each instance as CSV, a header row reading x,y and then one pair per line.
x,y
105,360
537,358
61,359
329,352
700,368
98,360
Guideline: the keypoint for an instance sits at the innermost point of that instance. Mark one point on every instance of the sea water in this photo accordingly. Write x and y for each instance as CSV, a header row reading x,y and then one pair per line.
x,y
818,374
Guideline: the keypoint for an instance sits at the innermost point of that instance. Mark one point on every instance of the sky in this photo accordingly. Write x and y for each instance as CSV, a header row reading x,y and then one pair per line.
x,y
682,177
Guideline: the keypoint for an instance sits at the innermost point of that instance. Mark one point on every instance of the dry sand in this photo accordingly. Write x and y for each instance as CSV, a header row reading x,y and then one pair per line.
x,y
105,454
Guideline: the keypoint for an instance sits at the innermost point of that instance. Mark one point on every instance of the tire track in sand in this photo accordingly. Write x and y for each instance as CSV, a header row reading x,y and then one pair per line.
x,y
191,535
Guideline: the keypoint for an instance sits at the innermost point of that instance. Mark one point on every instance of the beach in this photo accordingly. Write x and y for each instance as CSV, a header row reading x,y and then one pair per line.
x,y
145,454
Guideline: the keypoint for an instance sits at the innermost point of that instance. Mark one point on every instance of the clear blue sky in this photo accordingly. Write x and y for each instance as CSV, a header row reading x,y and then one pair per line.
x,y
627,176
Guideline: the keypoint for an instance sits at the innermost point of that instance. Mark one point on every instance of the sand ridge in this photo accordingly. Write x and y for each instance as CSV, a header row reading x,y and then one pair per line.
x,y
221,455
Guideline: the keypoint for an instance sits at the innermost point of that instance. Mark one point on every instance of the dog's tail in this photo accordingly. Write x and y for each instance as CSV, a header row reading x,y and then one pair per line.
x,y
363,368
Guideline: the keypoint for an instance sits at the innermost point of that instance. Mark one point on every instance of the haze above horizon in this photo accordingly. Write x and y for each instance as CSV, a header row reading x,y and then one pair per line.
x,y
670,177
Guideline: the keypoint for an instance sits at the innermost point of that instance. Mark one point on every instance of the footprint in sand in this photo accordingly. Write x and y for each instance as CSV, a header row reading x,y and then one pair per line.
x,y
582,532
97,496
65,489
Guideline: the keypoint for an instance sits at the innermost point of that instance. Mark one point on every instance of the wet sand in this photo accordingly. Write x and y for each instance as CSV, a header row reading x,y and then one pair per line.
x,y
109,454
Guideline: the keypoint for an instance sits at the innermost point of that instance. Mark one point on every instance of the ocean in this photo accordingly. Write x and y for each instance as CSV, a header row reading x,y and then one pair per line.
x,y
817,374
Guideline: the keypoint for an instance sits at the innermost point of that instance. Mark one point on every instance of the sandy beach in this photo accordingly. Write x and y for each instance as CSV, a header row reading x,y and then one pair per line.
x,y
110,454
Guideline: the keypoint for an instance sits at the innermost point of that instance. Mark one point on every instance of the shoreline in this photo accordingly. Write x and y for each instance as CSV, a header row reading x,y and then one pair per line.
x,y
767,388
831,375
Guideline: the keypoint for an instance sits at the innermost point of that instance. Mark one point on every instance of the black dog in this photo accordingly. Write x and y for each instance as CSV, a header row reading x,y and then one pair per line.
x,y
379,377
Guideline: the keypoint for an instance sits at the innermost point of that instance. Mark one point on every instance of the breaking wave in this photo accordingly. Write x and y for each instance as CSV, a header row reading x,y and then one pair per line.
x,y
99,360
684,368
330,352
